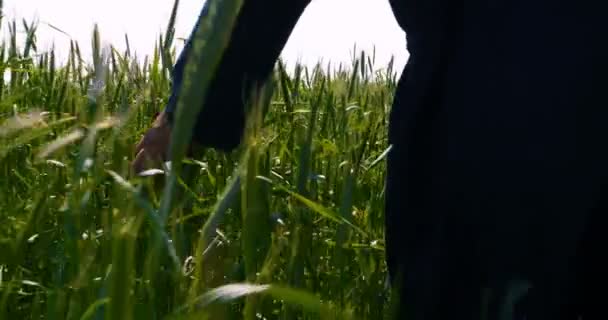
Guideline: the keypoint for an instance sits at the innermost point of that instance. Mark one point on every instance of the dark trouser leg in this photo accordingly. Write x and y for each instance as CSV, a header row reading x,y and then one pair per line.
x,y
443,283
585,288
591,293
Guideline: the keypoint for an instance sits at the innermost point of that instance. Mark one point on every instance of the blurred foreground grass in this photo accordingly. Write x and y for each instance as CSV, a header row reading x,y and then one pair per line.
x,y
288,226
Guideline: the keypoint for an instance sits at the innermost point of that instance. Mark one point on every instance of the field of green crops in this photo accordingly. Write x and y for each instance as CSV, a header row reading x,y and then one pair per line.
x,y
289,226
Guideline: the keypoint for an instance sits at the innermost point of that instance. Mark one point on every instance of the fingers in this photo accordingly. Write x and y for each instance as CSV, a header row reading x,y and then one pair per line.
x,y
152,149
144,140
138,162
147,143
145,160
140,145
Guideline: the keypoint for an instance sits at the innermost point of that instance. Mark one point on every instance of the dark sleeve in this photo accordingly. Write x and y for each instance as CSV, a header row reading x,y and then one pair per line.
x,y
261,31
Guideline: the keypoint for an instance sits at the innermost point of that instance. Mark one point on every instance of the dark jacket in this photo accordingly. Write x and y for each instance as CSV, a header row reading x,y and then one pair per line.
x,y
498,128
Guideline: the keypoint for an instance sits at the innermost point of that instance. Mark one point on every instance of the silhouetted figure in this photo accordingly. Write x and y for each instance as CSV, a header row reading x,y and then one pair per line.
x,y
499,163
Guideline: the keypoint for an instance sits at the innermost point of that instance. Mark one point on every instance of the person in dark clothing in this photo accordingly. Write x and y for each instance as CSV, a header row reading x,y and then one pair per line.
x,y
498,168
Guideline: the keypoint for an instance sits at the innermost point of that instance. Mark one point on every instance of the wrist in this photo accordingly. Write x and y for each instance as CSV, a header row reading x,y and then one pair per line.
x,y
162,120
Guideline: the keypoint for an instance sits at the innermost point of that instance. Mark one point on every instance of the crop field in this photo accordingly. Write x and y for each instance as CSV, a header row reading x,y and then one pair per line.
x,y
288,226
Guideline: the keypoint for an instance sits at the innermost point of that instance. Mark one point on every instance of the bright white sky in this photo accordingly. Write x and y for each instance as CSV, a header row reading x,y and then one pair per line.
x,y
328,29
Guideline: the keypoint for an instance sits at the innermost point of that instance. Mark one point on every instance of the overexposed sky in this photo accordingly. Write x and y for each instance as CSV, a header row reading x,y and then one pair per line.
x,y
328,29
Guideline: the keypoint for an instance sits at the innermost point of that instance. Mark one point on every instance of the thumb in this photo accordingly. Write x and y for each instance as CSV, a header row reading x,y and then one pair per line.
x,y
138,164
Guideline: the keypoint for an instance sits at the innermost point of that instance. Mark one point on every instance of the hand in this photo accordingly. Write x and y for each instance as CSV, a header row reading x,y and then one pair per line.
x,y
153,148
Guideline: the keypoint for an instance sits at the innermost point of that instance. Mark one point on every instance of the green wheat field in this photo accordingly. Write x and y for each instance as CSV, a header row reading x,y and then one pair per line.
x,y
288,226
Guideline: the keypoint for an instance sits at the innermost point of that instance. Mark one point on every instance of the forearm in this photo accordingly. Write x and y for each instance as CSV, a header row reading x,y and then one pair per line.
x,y
258,38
